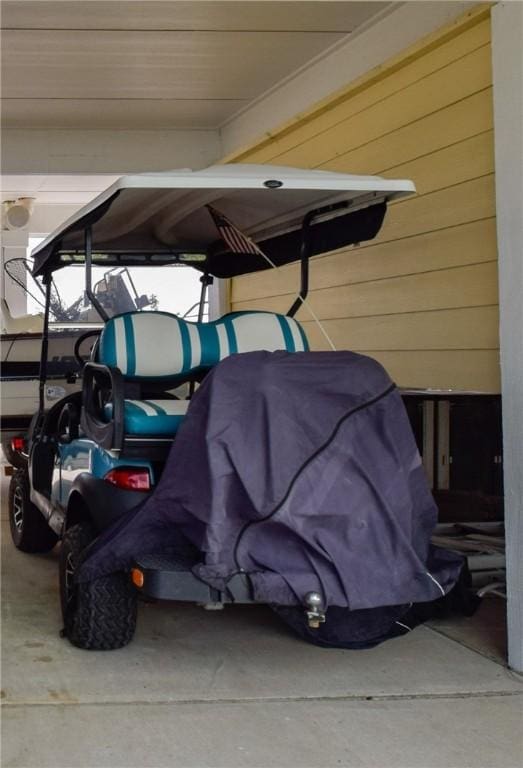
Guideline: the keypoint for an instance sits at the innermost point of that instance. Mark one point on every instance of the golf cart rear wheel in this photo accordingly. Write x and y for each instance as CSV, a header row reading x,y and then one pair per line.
x,y
99,615
29,528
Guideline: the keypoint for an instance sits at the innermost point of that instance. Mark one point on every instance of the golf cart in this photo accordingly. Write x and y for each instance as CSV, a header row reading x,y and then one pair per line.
x,y
98,455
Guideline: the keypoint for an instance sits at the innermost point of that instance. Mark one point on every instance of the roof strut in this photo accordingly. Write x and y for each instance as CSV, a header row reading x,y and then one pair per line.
x,y
306,248
88,275
43,352
206,280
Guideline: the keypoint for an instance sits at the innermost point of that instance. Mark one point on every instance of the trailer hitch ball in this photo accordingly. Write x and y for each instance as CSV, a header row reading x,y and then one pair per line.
x,y
315,610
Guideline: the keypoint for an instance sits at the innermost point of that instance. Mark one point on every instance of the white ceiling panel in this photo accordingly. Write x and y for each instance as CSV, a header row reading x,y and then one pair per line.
x,y
150,65
118,114
173,15
170,65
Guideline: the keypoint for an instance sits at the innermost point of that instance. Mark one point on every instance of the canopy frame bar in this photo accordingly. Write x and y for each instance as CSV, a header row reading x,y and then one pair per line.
x,y
89,274
42,376
306,248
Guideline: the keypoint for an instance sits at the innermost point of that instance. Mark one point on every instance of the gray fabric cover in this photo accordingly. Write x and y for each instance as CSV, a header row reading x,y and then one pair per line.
x,y
300,469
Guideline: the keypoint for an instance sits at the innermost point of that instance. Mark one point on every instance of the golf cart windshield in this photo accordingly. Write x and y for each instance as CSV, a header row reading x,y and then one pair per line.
x,y
166,288
117,289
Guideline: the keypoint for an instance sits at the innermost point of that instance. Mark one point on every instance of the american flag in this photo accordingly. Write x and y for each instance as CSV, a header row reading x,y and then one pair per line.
x,y
232,236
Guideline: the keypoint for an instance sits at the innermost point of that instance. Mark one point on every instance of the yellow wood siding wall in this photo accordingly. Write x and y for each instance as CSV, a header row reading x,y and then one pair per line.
x,y
422,297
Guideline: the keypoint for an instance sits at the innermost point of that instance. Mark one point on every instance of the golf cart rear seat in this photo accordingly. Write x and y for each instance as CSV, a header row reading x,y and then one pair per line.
x,y
141,352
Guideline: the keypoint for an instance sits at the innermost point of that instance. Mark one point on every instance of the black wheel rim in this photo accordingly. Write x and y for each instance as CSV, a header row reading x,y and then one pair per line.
x,y
18,509
69,571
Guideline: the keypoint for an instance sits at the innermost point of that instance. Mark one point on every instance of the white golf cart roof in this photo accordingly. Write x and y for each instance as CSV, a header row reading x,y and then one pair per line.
x,y
166,213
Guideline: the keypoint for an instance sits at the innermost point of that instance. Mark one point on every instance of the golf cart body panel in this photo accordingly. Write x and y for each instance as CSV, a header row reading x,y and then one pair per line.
x,y
85,457
77,473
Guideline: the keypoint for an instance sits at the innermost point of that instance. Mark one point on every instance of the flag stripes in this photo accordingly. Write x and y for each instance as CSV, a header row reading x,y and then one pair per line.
x,y
236,241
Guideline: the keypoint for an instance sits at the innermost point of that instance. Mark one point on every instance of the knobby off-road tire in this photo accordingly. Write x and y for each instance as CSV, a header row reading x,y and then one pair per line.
x,y
29,528
99,615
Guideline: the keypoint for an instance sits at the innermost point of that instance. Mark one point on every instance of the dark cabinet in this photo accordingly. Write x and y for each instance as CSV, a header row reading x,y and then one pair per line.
x,y
475,446
460,440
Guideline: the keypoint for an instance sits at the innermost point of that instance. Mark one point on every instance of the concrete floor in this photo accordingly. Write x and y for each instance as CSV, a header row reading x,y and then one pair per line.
x,y
234,688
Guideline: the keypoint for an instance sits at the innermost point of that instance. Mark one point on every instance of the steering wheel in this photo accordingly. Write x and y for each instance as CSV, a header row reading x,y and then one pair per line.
x,y
80,340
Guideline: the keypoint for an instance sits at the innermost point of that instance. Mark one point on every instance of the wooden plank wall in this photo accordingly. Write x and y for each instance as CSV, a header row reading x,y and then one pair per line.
x,y
422,298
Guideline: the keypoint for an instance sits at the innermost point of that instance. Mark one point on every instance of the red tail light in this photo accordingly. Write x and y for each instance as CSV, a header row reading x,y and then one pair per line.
x,y
130,478
18,444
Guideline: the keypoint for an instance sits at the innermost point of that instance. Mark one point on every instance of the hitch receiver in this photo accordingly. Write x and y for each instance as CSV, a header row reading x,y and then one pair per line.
x,y
315,610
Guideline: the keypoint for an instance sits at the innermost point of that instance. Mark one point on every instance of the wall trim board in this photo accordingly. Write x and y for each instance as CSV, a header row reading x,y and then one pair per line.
x,y
507,59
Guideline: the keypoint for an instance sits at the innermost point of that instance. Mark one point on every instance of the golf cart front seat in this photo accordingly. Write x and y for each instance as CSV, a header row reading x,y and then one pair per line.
x,y
143,351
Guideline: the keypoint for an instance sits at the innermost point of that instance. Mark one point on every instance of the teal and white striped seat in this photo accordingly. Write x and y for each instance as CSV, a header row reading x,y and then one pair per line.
x,y
151,417
159,346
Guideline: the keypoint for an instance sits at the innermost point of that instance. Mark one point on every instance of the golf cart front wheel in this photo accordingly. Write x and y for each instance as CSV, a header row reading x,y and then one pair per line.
x,y
29,529
99,615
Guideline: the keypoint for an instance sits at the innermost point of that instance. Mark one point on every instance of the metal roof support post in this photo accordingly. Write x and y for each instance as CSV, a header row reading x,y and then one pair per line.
x,y
306,248
89,274
304,262
44,349
205,280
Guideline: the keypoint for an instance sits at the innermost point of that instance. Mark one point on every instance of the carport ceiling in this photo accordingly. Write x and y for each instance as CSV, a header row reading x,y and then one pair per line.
x,y
111,64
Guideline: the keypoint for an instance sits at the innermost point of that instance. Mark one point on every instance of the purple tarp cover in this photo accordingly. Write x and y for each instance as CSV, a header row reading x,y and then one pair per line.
x,y
300,469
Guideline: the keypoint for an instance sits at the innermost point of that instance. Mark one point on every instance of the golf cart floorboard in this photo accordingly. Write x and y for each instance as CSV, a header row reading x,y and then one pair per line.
x,y
170,578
